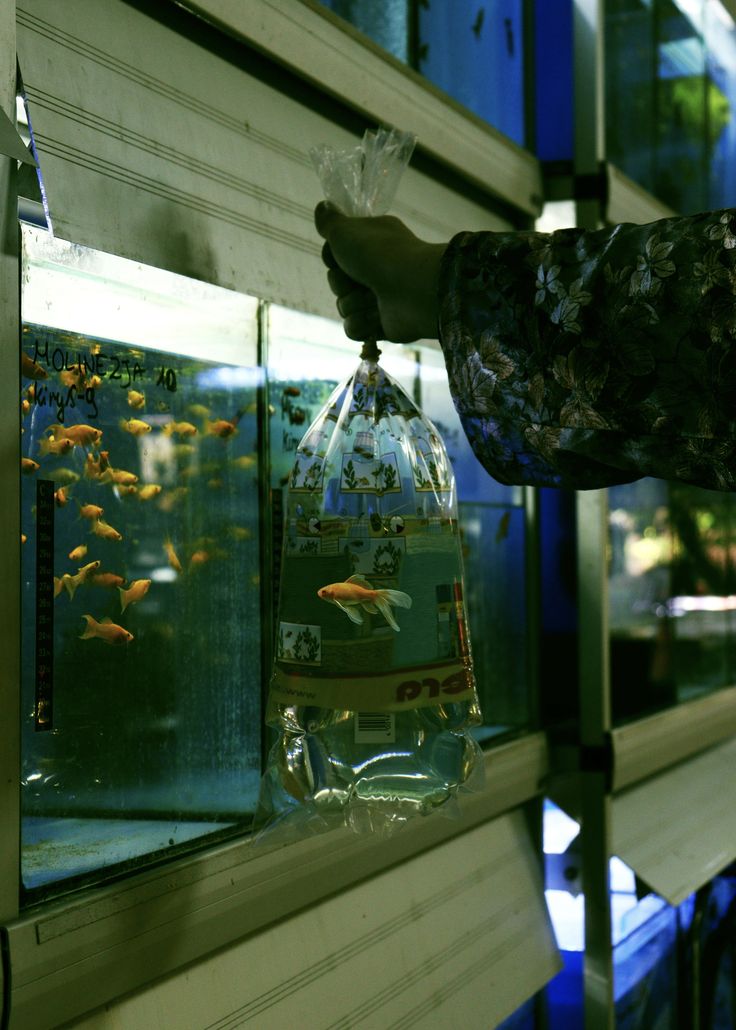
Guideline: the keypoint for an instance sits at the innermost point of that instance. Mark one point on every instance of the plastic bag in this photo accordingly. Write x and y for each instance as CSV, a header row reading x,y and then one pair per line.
x,y
372,693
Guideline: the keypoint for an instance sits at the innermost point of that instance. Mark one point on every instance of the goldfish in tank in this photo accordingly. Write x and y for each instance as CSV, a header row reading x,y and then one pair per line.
x,y
149,490
81,435
356,593
136,399
222,428
179,429
72,583
78,553
172,555
105,579
135,592
135,426
61,496
52,445
198,410
31,369
105,531
93,468
90,511
28,466
106,630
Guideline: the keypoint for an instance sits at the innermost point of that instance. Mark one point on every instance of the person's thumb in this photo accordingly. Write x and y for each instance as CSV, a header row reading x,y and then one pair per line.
x,y
326,215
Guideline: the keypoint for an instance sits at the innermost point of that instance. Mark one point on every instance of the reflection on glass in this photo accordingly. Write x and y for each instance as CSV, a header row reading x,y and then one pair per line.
x,y
671,90
307,358
140,568
672,594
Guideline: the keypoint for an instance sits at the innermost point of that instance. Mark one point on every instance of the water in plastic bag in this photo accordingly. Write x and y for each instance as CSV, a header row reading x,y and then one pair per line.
x,y
372,692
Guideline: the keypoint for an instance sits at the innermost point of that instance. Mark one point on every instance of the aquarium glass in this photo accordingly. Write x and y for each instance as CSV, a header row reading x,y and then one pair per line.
x,y
672,594
473,52
141,671
670,96
307,359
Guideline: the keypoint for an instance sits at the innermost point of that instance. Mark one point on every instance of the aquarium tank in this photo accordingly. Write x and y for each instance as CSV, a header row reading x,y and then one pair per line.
x,y
140,561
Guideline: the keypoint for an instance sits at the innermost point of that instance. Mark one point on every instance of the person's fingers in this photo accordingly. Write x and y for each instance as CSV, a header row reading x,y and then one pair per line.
x,y
328,257
356,302
364,325
341,283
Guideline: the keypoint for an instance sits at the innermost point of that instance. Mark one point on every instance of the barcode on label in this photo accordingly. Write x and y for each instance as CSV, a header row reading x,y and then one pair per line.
x,y
375,727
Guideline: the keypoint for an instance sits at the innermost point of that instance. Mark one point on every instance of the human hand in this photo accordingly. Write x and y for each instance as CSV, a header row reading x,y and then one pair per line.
x,y
384,277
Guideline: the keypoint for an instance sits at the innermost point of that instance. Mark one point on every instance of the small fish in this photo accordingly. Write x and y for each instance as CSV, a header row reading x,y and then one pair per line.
x,y
171,498
244,461
292,391
121,477
200,557
58,585
136,399
107,631
61,496
105,531
216,483
70,377
172,556
78,553
105,579
91,511
180,429
72,583
93,468
137,590
135,426
93,382
125,490
82,435
240,532
503,527
28,466
222,428
184,450
23,539
25,406
52,445
145,493
198,410
356,593
64,476
31,369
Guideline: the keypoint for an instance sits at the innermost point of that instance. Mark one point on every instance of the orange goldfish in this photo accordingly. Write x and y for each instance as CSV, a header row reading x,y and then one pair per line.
x,y
126,491
58,585
90,511
31,369
122,478
105,579
78,553
172,556
52,445
66,476
93,469
23,539
81,435
200,558
27,466
70,377
180,428
356,593
222,428
102,529
136,399
244,461
145,493
71,583
61,496
135,426
107,630
25,406
137,590
198,410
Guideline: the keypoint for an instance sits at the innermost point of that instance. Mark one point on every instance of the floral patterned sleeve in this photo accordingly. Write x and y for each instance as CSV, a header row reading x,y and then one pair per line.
x,y
588,358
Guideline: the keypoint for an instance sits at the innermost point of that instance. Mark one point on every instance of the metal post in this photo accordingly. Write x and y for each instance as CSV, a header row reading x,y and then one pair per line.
x,y
10,493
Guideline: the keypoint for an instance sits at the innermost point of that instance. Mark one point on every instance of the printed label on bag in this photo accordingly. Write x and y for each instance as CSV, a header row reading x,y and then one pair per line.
x,y
416,687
